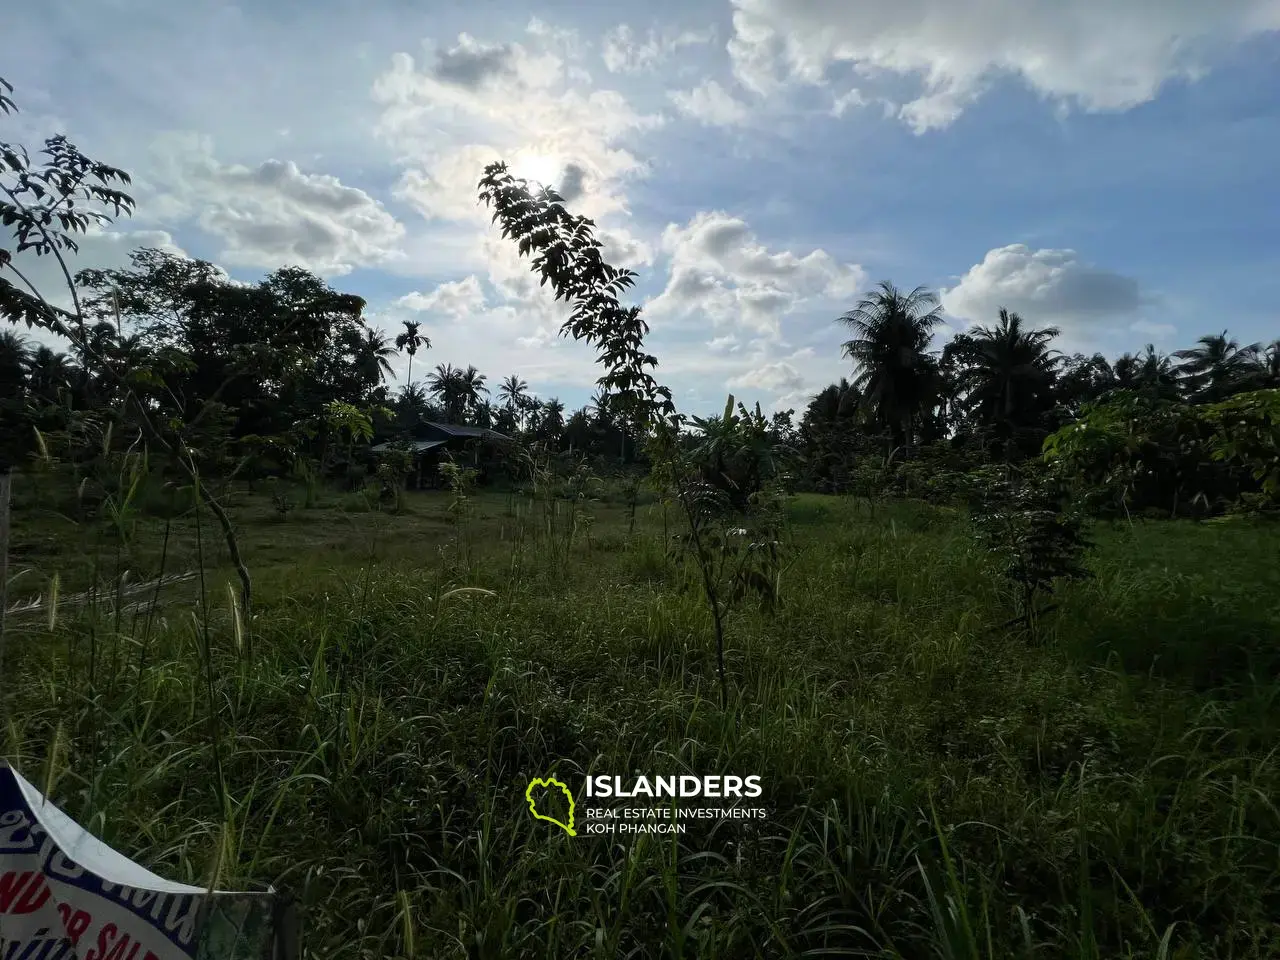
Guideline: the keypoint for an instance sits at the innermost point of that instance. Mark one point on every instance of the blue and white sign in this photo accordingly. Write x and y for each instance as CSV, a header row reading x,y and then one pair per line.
x,y
65,895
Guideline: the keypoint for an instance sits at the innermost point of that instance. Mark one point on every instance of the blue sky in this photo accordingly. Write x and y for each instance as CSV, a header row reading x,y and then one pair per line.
x,y
1105,166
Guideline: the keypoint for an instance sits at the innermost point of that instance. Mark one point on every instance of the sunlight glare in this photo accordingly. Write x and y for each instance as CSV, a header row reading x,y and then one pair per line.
x,y
544,168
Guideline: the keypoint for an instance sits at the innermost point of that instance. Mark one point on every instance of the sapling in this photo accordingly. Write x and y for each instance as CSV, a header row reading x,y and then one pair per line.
x,y
1030,542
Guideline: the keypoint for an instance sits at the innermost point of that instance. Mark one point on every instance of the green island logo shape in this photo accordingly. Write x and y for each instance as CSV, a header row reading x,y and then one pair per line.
x,y
550,782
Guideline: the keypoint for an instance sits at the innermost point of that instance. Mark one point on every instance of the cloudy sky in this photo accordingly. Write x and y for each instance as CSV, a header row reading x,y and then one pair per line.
x,y
1106,166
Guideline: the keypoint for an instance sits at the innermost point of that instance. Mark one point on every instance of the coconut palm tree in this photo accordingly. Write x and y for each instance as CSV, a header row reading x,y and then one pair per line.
x,y
374,352
1217,367
1127,371
1157,374
601,407
833,402
896,375
552,419
445,384
471,384
512,393
1269,366
1005,374
13,365
48,373
411,341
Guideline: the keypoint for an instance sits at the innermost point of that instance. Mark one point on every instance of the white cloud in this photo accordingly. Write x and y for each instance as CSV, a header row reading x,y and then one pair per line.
x,y
777,377
1044,286
467,104
710,103
624,52
842,103
456,298
273,214
477,103
720,270
1097,54
624,250
725,344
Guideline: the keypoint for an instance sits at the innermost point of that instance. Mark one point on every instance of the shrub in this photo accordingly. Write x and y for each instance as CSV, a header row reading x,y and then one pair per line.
x,y
1029,541
1132,452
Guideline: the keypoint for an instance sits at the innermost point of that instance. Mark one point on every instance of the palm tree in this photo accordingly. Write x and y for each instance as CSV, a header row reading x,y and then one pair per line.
x,y
374,352
471,385
445,385
13,365
552,418
412,405
1269,366
1127,371
410,341
512,392
504,420
1157,374
601,406
1005,374
895,375
48,372
1217,368
833,402
532,416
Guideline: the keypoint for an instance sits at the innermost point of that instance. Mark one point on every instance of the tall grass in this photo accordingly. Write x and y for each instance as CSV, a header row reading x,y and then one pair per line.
x,y
936,789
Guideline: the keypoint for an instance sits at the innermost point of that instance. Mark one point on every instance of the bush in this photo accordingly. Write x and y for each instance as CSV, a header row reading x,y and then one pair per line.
x,y
1030,543
1130,453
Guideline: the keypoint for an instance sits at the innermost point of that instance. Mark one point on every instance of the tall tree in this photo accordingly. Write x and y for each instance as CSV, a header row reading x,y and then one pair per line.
x,y
895,373
274,352
1269,366
374,352
1082,379
410,341
601,407
512,390
13,365
1217,367
48,373
445,384
1127,371
1005,375
552,420
1157,374
833,402
471,386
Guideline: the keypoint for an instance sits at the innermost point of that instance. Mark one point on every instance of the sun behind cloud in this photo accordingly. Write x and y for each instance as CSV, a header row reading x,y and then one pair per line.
x,y
546,169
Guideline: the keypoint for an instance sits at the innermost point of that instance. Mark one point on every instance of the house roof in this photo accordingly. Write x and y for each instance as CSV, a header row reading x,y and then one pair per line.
x,y
458,430
414,446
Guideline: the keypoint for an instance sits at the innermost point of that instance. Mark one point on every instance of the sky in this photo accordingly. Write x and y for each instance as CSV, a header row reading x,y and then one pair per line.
x,y
1107,167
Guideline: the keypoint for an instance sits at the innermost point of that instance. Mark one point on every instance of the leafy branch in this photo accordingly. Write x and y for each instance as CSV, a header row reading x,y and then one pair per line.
x,y
567,256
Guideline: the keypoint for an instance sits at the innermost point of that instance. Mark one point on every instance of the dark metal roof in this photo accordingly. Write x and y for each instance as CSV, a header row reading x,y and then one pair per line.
x,y
415,446
458,430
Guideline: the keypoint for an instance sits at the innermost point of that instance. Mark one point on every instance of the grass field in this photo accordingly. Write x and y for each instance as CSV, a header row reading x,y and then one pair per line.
x,y
936,788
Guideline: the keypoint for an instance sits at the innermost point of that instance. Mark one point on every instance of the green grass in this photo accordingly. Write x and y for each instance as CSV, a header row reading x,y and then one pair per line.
x,y
936,789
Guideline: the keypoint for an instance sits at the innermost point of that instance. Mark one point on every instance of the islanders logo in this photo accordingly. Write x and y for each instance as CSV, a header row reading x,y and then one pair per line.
x,y
548,784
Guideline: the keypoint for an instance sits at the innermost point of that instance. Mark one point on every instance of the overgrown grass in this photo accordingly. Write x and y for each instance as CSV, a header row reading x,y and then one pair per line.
x,y
936,789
